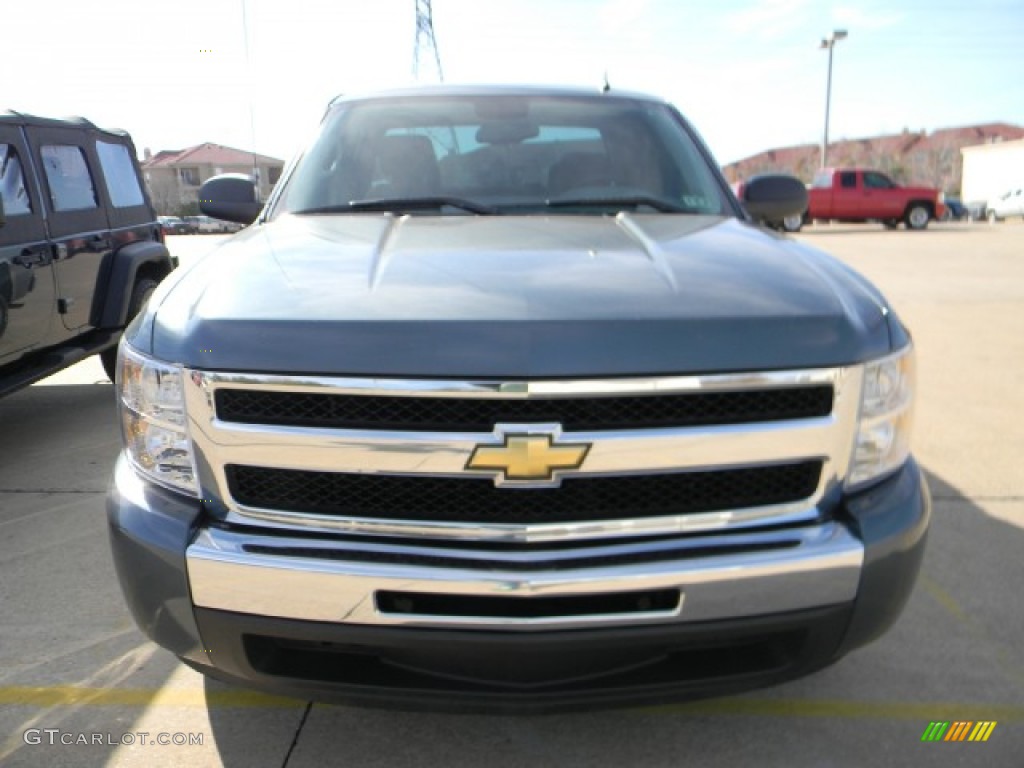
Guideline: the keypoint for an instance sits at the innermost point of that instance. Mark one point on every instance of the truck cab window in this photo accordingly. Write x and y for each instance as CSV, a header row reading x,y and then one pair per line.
x,y
875,180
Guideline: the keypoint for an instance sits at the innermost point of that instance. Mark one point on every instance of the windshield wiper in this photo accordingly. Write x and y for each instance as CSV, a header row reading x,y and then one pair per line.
x,y
404,204
624,201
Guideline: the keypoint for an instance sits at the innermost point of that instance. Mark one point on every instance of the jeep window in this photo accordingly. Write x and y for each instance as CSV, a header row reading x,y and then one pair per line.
x,y
12,183
119,172
503,154
71,186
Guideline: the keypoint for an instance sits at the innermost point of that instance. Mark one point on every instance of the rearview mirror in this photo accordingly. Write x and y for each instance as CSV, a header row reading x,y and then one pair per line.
x,y
507,132
773,197
231,197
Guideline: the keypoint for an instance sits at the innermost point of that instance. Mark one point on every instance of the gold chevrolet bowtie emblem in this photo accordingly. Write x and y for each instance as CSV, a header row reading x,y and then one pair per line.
x,y
528,457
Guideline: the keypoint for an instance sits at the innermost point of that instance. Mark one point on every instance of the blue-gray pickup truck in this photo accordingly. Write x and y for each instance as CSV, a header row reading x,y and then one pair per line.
x,y
504,402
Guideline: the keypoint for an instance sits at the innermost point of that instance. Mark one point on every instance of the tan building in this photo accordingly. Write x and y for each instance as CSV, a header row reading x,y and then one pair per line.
x,y
174,176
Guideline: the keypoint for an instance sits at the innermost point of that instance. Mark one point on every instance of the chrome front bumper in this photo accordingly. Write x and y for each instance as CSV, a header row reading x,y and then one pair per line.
x,y
311,580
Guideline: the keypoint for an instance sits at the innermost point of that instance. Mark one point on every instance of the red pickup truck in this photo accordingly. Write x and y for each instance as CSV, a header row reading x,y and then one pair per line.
x,y
853,194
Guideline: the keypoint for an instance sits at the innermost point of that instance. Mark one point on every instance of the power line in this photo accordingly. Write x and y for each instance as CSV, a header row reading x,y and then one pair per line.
x,y
425,40
252,110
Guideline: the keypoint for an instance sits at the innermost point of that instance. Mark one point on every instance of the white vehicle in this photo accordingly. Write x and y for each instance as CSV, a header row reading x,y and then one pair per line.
x,y
1010,204
203,225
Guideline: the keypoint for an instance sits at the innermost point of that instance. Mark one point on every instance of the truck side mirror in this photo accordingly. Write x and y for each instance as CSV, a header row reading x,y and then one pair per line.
x,y
773,197
231,197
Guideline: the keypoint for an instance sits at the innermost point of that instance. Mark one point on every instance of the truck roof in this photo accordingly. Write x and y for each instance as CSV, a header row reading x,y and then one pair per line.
x,y
497,90
852,169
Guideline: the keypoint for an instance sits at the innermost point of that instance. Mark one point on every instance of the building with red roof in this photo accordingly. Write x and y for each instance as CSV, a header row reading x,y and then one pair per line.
x,y
174,176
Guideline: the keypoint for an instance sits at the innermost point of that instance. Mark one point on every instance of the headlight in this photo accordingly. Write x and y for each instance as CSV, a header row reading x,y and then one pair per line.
x,y
886,415
152,404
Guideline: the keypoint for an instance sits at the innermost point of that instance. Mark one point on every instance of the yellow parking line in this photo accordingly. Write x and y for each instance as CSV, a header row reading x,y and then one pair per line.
x,y
69,695
1010,667
943,598
839,708
60,696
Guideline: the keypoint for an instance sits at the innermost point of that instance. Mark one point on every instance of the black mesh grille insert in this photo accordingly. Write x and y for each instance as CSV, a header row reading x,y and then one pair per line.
x,y
477,500
480,415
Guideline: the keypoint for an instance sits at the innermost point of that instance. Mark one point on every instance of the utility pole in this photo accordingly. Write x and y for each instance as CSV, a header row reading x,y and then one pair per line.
x,y
425,40
829,43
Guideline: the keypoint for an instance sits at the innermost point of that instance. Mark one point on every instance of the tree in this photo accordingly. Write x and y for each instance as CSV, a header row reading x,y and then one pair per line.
x,y
188,209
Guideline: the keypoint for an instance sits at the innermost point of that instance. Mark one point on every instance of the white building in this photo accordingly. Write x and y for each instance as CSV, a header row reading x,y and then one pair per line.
x,y
992,169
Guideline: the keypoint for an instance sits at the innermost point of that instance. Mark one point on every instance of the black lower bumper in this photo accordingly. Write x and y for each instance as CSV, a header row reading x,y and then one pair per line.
x,y
539,671
460,671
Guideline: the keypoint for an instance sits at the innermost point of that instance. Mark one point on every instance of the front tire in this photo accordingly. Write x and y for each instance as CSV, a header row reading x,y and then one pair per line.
x,y
141,291
917,216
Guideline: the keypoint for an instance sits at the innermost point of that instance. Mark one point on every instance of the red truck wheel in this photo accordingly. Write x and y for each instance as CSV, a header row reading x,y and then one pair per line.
x,y
917,216
793,223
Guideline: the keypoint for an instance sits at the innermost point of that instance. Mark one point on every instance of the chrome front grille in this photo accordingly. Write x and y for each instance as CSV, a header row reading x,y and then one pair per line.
x,y
389,457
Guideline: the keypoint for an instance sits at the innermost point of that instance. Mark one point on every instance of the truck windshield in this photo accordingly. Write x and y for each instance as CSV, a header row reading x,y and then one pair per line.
x,y
494,154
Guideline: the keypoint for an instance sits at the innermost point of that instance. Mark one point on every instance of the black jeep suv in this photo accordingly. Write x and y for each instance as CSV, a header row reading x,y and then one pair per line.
x,y
80,246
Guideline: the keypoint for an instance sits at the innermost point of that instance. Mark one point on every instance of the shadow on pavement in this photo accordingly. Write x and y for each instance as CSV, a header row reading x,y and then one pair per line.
x,y
70,657
954,654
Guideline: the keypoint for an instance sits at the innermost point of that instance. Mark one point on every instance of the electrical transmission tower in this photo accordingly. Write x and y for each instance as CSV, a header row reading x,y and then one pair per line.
x,y
425,40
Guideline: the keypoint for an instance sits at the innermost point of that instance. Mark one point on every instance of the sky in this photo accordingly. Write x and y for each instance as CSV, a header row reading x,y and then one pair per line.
x,y
257,74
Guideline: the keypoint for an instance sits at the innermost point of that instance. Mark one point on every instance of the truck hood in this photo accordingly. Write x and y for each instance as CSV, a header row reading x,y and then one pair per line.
x,y
512,296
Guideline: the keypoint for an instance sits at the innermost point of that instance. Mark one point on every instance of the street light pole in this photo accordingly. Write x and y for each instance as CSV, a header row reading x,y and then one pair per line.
x,y
829,42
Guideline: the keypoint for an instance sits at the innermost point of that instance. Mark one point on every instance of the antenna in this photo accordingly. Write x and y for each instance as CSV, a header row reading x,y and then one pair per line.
x,y
425,40
252,112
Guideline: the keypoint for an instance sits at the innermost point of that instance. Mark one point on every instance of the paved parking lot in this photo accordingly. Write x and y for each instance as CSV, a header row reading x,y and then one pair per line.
x,y
73,665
